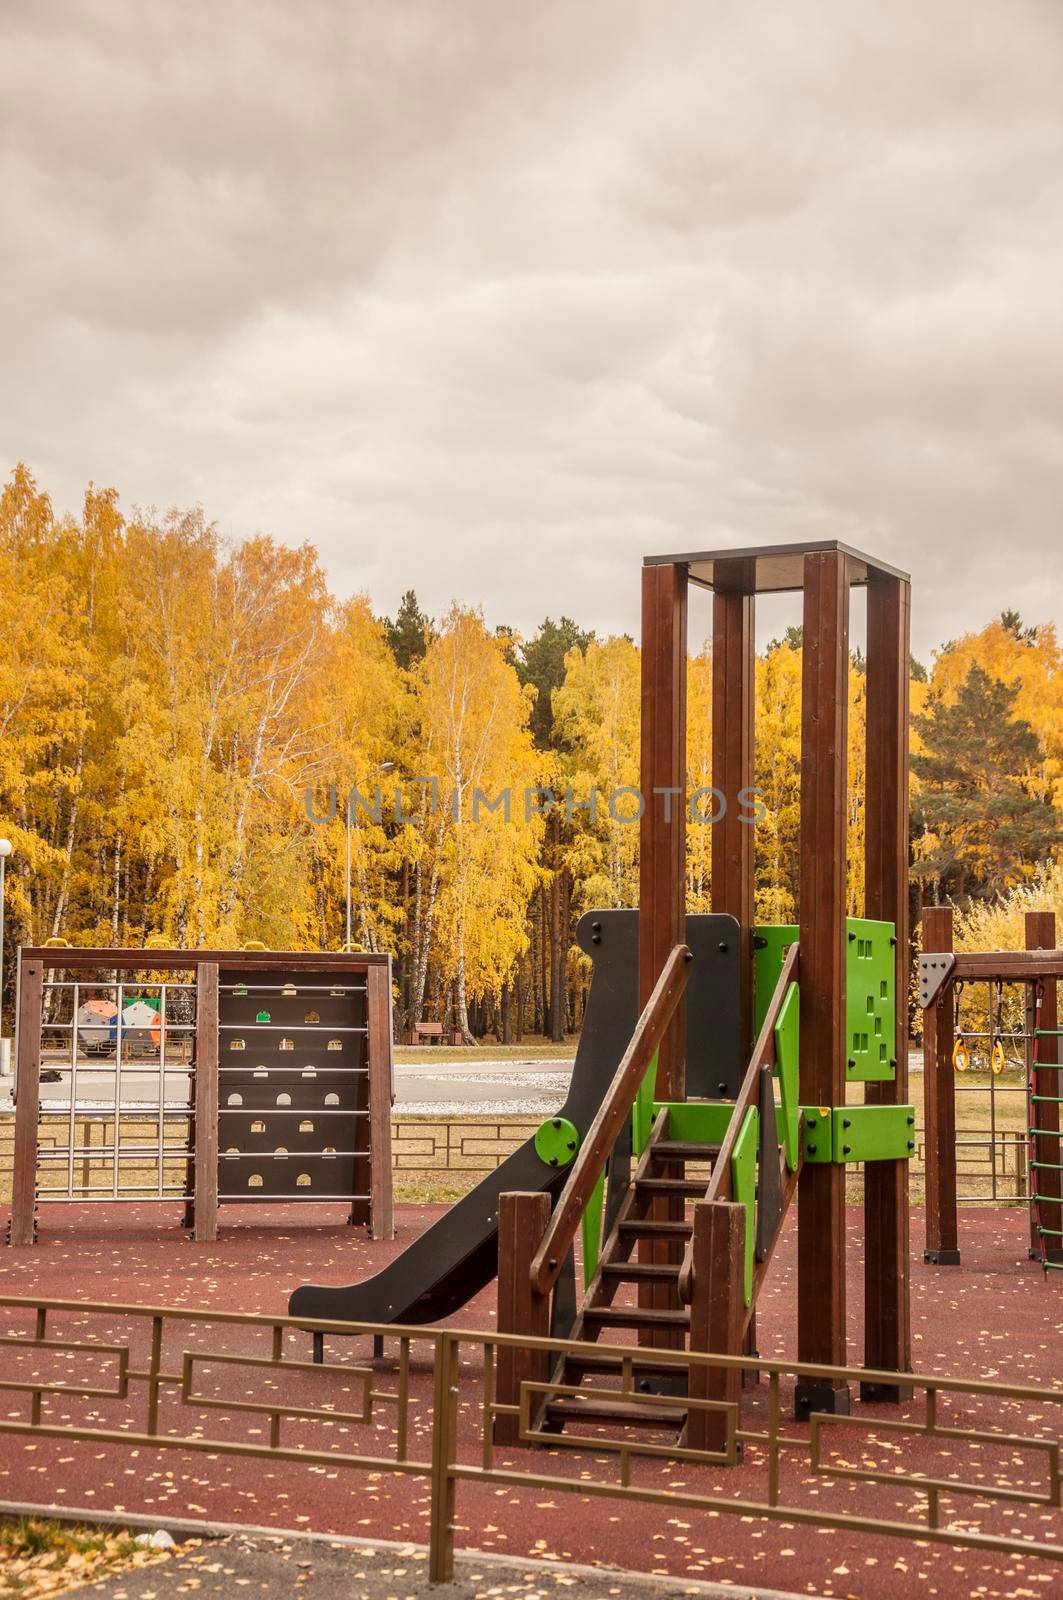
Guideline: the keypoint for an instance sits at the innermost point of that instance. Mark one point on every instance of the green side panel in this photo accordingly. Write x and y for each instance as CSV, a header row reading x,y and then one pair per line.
x,y
699,1121
642,1110
556,1141
744,1187
873,1133
787,1059
770,944
870,1001
591,1227
817,1133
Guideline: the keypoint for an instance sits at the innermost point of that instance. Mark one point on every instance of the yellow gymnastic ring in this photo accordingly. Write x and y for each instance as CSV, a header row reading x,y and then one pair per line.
x,y
960,1058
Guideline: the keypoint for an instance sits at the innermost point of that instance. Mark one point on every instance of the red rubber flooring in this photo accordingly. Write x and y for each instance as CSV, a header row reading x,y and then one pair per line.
x,y
994,1317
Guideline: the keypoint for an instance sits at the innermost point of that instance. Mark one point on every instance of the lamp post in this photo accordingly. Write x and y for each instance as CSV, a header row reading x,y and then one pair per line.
x,y
6,848
385,766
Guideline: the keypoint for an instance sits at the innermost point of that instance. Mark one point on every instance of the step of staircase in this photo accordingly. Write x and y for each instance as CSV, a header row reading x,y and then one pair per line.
x,y
641,1228
640,1271
635,1317
599,1361
571,1408
688,1188
683,1150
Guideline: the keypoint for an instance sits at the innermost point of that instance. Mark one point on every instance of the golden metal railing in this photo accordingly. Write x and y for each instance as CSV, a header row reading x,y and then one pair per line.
x,y
176,1369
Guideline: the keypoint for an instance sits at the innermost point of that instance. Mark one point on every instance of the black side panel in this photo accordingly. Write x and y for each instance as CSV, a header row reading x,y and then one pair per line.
x,y
456,1257
716,1053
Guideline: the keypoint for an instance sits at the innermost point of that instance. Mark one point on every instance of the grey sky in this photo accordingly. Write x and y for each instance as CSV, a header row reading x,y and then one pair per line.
x,y
492,299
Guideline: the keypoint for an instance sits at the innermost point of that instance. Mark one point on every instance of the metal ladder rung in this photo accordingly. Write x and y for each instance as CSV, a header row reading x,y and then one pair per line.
x,y
1047,1099
1051,1166
1048,1199
1045,1133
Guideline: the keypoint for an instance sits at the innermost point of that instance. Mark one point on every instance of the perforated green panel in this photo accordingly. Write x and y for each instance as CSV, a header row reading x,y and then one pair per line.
x,y
870,992
870,1001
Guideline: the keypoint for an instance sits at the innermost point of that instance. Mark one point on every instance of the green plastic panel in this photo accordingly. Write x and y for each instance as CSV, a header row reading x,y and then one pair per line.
x,y
696,1121
870,992
744,1188
870,1001
556,1141
787,1059
770,944
642,1110
591,1226
873,1133
817,1133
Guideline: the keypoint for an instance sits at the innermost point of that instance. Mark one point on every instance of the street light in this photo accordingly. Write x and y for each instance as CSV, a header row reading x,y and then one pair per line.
x,y
385,766
6,848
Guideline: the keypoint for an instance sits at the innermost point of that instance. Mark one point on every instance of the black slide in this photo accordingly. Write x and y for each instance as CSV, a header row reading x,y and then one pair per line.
x,y
458,1255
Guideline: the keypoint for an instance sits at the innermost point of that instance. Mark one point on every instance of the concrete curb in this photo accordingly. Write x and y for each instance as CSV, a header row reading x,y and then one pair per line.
x,y
182,1530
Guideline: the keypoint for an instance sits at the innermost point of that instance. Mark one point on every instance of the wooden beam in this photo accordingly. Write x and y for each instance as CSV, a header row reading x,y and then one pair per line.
x,y
378,1014
206,1090
27,1101
662,831
1045,1076
733,700
939,1105
717,1318
887,1301
522,1221
821,1309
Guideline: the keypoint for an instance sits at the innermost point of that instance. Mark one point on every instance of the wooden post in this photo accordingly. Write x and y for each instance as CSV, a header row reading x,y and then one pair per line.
x,y
939,1105
716,1316
887,1304
1041,935
27,1102
733,697
662,831
378,1012
206,1175
733,773
821,1192
662,864
522,1220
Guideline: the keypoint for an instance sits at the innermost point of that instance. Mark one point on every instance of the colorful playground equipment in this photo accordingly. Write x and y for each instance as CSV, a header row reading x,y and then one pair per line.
x,y
948,1049
213,1076
689,1130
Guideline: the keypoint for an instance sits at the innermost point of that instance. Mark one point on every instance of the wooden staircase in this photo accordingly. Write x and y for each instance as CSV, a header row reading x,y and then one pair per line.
x,y
638,1294
681,1264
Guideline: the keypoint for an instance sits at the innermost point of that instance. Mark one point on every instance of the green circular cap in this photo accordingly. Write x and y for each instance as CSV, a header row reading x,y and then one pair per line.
x,y
556,1141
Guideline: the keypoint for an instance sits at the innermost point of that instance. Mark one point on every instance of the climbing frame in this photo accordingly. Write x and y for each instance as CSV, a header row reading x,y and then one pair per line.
x,y
234,1076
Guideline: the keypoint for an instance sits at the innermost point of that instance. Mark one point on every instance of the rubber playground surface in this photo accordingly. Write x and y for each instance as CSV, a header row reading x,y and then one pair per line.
x,y
994,1317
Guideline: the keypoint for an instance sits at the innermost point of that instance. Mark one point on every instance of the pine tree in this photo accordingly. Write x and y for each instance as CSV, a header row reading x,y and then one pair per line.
x,y
542,664
410,633
982,826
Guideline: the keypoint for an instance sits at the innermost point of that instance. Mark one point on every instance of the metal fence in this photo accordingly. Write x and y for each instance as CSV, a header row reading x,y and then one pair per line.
x,y
230,1385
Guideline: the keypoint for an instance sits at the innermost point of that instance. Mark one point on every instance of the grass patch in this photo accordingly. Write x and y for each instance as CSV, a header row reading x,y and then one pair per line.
x,y
38,1557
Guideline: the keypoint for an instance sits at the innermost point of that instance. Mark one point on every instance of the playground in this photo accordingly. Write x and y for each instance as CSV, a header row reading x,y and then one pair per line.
x,y
659,1334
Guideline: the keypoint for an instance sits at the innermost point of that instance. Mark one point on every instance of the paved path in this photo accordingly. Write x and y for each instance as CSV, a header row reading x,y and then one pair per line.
x,y
289,1569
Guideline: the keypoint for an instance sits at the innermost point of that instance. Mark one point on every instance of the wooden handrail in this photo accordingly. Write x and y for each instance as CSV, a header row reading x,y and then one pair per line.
x,y
748,1095
604,1131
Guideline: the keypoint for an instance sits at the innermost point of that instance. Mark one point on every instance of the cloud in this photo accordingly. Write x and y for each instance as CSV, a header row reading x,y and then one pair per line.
x,y
494,300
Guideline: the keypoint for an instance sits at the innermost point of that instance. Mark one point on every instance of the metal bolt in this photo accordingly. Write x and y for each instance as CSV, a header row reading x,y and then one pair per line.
x,y
722,946
596,927
852,936
911,1144
553,1161
811,1149
847,1149
722,1088
557,1122
851,1061
847,1122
